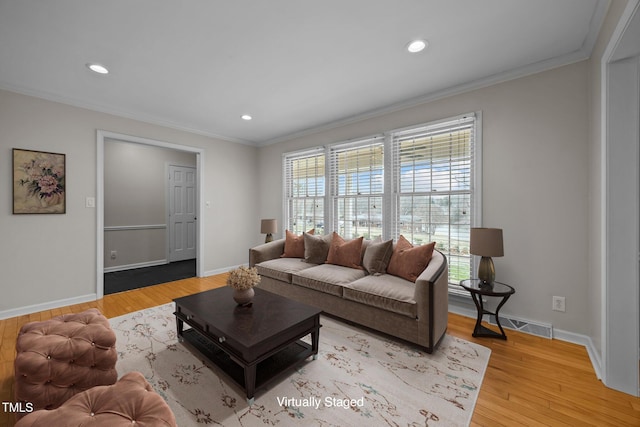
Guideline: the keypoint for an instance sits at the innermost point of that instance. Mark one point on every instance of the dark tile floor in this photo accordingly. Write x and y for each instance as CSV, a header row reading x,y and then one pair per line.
x,y
120,281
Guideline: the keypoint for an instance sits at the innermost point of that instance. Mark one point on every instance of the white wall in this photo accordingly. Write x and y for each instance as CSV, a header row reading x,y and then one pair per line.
x,y
595,281
135,195
535,184
49,260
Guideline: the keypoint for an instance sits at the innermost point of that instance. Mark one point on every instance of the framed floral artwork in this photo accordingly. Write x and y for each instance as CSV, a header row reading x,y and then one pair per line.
x,y
38,182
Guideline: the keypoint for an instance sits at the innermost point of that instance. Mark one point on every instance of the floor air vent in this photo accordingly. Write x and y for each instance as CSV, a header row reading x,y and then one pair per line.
x,y
539,329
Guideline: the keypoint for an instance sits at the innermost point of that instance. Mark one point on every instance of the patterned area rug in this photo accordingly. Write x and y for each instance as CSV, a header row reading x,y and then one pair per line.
x,y
359,378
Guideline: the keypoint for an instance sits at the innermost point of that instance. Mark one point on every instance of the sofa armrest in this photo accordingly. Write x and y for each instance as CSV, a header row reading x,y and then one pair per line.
x,y
435,268
265,252
435,274
432,295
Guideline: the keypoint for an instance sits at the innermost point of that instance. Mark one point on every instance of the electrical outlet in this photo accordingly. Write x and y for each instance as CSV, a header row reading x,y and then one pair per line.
x,y
558,304
114,254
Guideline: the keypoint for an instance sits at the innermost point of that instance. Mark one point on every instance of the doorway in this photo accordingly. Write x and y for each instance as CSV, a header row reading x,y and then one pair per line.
x,y
196,242
621,138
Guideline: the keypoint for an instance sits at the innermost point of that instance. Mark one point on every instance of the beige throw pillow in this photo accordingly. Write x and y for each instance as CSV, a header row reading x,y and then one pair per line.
x,y
377,256
316,248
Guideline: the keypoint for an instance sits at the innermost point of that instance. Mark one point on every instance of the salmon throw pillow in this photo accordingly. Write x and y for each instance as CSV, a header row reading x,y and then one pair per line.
x,y
345,253
408,261
294,245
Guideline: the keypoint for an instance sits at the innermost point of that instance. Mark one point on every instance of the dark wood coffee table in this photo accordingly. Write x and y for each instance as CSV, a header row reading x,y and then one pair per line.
x,y
252,345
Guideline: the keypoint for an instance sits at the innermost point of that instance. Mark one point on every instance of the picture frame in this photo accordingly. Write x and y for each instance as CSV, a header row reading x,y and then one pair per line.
x,y
39,182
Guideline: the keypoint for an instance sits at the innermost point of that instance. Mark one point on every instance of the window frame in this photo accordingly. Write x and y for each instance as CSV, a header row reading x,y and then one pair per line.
x,y
288,193
341,191
475,190
390,171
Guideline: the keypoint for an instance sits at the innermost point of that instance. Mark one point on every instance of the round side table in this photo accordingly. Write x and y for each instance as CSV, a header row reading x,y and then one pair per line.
x,y
479,290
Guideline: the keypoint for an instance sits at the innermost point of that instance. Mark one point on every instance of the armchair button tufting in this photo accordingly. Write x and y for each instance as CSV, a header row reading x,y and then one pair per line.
x,y
52,354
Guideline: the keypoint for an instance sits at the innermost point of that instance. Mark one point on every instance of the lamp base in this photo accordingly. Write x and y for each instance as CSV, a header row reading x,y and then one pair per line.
x,y
269,238
486,271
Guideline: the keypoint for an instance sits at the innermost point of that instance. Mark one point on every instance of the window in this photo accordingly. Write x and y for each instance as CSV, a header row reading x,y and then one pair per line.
x,y
357,188
304,181
433,167
421,182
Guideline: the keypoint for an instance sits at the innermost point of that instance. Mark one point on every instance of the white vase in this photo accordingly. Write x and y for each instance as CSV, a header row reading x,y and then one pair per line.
x,y
243,296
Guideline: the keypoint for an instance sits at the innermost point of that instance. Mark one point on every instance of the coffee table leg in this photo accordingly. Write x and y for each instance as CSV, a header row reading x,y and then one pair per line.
x,y
179,328
315,339
250,382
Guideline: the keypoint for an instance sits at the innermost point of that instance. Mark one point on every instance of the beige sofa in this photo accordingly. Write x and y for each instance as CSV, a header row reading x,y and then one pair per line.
x,y
415,312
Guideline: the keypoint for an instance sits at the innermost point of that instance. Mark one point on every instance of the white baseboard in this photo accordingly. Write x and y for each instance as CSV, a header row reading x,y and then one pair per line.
x,y
221,270
586,341
558,334
463,311
5,314
137,265
34,308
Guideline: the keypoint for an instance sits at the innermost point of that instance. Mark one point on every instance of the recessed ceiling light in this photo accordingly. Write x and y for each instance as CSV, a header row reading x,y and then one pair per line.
x,y
246,117
416,46
97,68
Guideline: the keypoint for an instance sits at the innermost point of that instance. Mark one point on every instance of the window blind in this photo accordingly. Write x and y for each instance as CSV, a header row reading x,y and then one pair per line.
x,y
419,182
304,190
433,172
357,187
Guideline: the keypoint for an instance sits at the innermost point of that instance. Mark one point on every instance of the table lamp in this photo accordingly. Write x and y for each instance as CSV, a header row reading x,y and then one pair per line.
x,y
268,227
487,243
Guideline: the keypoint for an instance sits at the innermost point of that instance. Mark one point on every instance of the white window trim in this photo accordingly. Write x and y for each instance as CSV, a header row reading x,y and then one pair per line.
x,y
388,199
331,178
293,154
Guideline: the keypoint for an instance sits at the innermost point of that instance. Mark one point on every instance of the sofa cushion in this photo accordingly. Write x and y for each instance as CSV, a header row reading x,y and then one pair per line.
x,y
282,268
327,278
386,291
345,253
316,248
377,256
408,261
294,244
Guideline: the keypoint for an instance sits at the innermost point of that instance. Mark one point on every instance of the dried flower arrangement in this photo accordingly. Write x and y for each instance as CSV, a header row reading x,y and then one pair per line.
x,y
243,278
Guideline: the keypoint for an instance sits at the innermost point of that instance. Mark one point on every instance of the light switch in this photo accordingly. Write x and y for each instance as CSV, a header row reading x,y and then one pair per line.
x,y
90,202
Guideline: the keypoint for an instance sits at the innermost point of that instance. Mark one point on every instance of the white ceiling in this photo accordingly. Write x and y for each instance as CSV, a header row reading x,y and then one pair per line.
x,y
294,65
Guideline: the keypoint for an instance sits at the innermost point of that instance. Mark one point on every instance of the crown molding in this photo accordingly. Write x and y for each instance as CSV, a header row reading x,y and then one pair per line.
x,y
48,96
581,54
538,67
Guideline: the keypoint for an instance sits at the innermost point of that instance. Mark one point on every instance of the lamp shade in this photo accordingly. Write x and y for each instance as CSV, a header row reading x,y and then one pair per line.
x,y
268,226
486,242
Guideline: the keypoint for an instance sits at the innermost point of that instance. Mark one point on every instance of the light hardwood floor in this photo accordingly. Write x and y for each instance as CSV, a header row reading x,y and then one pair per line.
x,y
530,381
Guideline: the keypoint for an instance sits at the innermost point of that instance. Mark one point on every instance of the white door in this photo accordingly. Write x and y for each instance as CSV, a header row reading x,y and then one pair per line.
x,y
182,213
